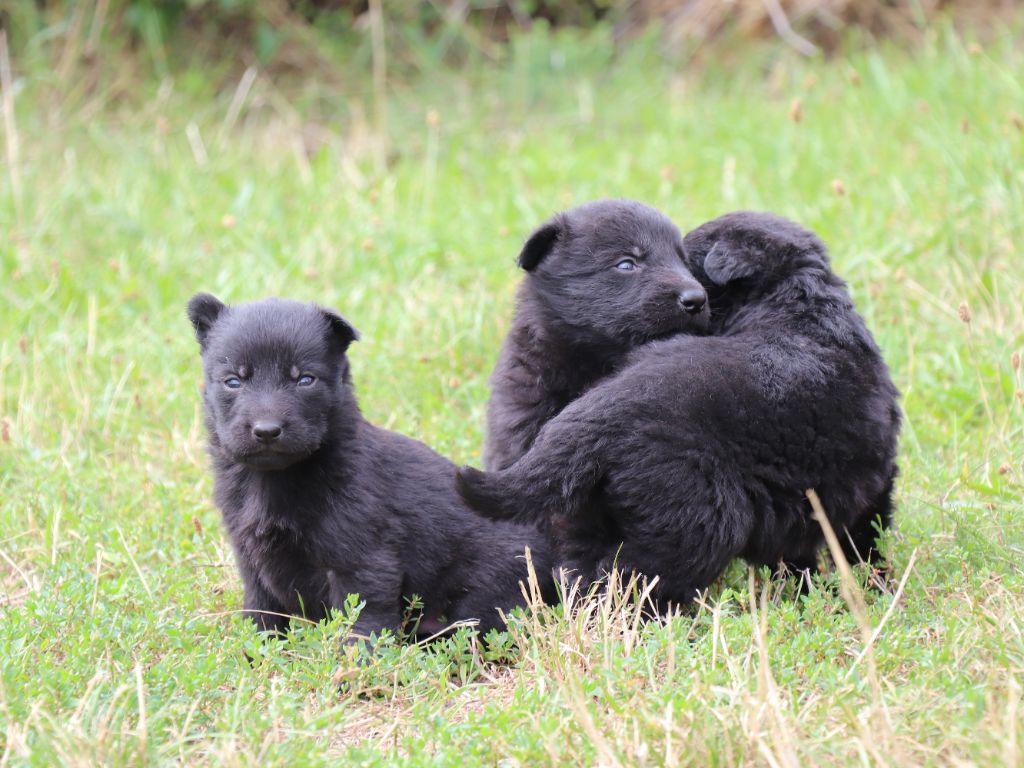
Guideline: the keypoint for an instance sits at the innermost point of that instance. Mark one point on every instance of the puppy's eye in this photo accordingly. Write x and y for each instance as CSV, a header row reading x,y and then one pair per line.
x,y
626,265
306,380
232,382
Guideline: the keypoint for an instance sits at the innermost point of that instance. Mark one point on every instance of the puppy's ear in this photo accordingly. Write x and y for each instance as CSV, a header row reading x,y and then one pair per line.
x,y
203,311
726,262
540,243
341,329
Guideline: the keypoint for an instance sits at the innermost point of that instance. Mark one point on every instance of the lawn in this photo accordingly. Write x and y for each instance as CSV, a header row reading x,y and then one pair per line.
x,y
121,195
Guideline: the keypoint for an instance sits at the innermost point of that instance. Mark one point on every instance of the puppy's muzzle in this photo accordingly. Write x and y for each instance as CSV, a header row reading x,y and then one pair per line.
x,y
267,431
692,300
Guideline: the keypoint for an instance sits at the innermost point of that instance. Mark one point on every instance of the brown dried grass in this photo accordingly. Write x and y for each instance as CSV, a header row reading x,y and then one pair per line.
x,y
812,25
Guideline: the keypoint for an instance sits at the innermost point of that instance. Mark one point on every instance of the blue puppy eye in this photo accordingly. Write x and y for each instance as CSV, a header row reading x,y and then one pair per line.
x,y
232,382
626,265
305,380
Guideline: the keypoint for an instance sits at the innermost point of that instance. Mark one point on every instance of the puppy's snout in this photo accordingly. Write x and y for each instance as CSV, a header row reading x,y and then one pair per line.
x,y
692,300
266,431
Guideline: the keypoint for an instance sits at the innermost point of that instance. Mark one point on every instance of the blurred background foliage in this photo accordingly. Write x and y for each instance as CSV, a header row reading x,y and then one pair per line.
x,y
290,35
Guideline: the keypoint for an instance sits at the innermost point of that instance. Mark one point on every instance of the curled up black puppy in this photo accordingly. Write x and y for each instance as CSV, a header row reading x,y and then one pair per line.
x,y
319,503
702,448
600,279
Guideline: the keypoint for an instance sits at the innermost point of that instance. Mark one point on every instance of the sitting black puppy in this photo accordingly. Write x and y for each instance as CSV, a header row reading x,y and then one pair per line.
x,y
702,448
319,503
601,279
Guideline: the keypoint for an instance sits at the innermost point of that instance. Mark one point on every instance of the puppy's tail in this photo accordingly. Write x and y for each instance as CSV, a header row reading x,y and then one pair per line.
x,y
555,478
487,493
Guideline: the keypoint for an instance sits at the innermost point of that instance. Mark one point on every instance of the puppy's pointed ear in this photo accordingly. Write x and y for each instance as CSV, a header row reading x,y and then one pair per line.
x,y
203,311
341,330
726,262
540,243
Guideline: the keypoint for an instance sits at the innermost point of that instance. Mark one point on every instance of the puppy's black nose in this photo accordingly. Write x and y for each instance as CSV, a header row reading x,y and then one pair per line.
x,y
692,300
266,431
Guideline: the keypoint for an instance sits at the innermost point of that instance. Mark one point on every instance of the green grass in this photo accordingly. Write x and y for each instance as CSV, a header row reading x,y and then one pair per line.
x,y
120,638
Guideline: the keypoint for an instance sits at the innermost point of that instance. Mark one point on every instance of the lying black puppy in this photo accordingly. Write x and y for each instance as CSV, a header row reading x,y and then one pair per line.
x,y
319,503
702,448
601,279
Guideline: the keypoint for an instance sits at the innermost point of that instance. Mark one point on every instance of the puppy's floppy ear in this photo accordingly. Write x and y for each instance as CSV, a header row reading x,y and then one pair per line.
x,y
540,243
341,329
727,261
203,311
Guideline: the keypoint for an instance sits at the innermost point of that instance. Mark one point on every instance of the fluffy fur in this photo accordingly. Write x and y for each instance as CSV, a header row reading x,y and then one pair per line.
x,y
601,279
701,449
319,503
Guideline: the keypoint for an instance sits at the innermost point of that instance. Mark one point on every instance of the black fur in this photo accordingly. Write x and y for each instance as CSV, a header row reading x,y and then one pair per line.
x,y
702,448
319,503
578,315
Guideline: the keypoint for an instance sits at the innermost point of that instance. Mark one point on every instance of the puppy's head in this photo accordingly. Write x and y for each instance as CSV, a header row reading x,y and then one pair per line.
x,y
276,378
746,256
612,272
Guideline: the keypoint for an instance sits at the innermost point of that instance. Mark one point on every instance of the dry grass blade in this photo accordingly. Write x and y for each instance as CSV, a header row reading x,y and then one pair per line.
x,y
781,24
380,83
853,595
242,90
10,126
888,612
140,692
782,751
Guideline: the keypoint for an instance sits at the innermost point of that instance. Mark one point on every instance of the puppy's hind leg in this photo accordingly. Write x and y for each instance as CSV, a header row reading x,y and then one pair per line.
x,y
800,571
860,542
686,560
381,598
358,645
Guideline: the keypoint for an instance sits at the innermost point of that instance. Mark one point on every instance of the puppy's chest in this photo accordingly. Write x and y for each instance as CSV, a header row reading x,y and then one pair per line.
x,y
263,540
284,554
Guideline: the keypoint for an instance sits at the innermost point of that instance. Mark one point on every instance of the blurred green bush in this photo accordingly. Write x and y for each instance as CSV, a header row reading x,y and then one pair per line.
x,y
291,33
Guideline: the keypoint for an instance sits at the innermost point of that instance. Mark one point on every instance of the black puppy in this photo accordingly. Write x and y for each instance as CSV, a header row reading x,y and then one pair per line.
x,y
601,279
319,503
702,448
